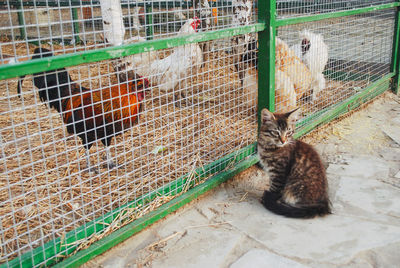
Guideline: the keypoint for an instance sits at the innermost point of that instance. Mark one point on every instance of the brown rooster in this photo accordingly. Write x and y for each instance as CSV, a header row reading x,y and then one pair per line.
x,y
92,115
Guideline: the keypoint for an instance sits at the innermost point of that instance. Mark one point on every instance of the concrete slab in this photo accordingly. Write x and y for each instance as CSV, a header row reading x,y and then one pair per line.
x,y
370,195
390,154
333,239
199,240
360,166
386,256
258,258
394,134
228,227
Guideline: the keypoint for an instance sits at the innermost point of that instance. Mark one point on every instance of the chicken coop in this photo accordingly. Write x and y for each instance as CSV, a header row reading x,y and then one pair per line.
x,y
115,113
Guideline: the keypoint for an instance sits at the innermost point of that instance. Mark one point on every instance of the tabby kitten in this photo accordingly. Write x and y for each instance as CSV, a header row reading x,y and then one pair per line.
x,y
298,181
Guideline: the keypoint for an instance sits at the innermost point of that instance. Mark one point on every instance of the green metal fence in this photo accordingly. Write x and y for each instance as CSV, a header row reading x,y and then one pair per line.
x,y
67,222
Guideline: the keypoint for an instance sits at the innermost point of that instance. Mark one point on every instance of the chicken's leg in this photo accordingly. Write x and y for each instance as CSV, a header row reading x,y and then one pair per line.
x,y
91,169
110,163
180,93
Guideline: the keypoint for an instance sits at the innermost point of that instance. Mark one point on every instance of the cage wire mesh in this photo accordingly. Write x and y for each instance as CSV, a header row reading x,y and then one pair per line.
x,y
192,114
298,8
200,104
328,61
70,26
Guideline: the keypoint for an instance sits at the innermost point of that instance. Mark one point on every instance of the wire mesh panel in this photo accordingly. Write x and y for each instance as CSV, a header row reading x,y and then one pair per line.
x,y
70,26
88,148
298,8
332,59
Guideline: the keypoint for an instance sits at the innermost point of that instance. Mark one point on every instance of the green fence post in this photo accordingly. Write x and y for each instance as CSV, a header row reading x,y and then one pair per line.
x,y
76,24
149,21
266,56
395,64
21,21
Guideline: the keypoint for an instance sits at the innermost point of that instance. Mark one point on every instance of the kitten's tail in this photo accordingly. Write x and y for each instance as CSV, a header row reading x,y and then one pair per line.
x,y
270,202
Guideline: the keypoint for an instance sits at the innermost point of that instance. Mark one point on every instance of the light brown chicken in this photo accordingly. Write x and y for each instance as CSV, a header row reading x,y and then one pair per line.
x,y
287,65
287,62
285,95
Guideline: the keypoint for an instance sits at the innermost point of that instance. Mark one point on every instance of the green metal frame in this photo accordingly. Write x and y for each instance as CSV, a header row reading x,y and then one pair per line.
x,y
155,4
76,25
149,22
56,62
21,21
244,157
395,65
266,44
227,166
351,103
317,17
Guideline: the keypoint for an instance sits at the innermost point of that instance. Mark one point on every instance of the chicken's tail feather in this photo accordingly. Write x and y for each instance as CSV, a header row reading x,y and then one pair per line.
x,y
53,85
38,53
270,200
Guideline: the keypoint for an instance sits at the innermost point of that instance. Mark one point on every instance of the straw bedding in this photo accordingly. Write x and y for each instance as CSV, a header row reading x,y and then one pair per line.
x,y
42,184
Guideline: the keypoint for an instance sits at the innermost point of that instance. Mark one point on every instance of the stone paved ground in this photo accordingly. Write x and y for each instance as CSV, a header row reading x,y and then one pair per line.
x,y
228,227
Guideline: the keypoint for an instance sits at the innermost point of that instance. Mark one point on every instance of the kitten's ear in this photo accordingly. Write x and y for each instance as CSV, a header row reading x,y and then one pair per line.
x,y
266,115
292,116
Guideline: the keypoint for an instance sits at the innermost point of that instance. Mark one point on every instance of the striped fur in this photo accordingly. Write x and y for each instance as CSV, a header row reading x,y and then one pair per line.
x,y
298,181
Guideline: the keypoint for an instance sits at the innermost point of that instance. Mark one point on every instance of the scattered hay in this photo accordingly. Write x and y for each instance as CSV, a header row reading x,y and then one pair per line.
x,y
43,191
335,92
20,50
339,126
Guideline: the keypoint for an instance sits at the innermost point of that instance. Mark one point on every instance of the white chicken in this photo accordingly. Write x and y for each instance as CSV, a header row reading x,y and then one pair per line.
x,y
126,66
314,54
170,72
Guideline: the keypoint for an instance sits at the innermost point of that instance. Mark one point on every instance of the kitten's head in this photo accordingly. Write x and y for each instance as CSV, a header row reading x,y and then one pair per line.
x,y
277,129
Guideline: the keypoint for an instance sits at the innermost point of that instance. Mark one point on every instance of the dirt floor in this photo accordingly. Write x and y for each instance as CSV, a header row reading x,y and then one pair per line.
x,y
228,227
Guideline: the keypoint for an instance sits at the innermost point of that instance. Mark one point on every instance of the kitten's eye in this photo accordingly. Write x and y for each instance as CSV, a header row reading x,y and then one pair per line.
x,y
289,132
275,133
